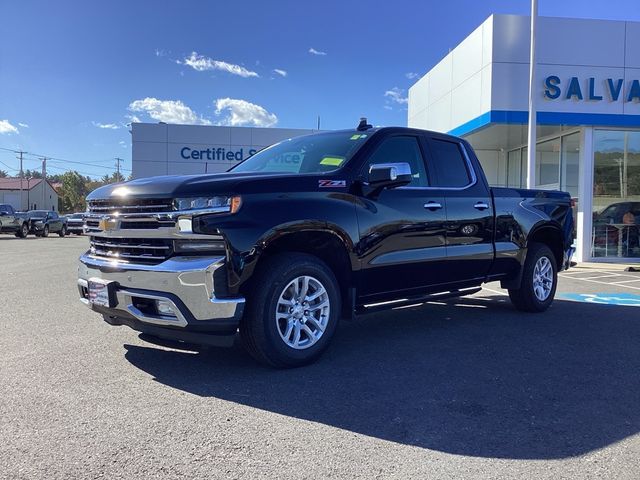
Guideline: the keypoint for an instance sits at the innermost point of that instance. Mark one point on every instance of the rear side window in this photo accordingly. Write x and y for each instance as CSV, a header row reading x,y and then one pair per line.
x,y
402,150
449,164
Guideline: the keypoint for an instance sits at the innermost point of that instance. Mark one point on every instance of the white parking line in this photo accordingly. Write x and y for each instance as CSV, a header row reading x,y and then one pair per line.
x,y
494,291
627,281
606,283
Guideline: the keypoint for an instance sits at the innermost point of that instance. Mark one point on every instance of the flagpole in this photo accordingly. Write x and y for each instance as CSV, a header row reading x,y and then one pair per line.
x,y
531,134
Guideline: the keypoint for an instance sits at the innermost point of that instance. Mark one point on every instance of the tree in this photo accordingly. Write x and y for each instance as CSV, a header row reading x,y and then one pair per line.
x,y
3,174
115,177
74,191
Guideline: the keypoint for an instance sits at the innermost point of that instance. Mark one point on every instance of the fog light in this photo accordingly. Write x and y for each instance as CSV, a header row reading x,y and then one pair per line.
x,y
165,308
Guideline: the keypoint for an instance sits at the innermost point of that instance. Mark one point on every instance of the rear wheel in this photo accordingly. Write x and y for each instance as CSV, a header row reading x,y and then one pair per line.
x,y
539,280
24,230
63,231
292,312
45,231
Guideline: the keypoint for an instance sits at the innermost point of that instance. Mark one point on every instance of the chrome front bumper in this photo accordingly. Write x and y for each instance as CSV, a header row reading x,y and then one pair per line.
x,y
185,283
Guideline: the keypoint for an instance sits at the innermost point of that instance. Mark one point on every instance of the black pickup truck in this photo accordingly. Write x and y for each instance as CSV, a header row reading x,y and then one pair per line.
x,y
311,230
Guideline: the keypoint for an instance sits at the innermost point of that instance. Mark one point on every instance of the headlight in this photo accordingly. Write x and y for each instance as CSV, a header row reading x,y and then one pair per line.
x,y
221,203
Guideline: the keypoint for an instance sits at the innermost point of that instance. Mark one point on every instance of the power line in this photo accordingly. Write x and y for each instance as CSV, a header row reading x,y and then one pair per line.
x,y
7,166
37,155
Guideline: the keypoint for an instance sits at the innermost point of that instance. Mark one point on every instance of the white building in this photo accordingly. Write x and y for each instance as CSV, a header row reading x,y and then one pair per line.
x,y
588,101
163,149
34,194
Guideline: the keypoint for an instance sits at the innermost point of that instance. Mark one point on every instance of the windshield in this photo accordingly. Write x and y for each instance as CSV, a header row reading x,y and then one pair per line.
x,y
317,153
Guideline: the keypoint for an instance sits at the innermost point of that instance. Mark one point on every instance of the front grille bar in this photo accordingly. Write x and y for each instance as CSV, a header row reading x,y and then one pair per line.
x,y
128,245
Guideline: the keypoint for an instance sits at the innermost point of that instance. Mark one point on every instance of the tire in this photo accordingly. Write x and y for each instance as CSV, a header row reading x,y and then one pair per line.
x,y
538,286
45,231
63,231
24,231
292,338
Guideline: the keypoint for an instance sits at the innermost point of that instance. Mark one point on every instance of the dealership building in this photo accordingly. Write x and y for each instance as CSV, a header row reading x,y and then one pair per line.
x,y
164,149
587,94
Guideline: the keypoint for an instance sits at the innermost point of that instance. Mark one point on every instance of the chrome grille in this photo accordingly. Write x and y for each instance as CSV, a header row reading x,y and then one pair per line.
x,y
145,250
125,206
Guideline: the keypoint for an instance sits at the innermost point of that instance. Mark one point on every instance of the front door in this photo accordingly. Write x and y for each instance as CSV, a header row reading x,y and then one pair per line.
x,y
402,231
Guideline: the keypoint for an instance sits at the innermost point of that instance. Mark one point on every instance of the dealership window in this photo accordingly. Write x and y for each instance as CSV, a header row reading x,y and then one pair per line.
x,y
514,168
557,162
616,194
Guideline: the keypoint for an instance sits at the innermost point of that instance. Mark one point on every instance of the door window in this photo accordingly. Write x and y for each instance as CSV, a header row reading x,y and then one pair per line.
x,y
449,164
402,149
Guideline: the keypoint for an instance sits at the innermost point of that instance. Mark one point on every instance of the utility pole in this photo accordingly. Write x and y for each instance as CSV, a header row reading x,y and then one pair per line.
x,y
531,134
118,160
44,183
21,177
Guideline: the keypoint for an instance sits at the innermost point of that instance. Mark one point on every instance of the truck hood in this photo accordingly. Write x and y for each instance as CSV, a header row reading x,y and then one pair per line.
x,y
172,186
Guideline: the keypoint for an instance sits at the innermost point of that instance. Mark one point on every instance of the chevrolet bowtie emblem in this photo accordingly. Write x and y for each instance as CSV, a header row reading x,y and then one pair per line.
x,y
109,224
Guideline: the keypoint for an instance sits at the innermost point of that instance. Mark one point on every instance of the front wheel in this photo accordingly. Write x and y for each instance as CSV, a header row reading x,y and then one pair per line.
x,y
539,280
292,311
63,231
45,231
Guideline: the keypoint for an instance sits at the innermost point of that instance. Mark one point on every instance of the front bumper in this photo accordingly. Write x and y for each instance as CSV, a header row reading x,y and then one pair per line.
x,y
186,284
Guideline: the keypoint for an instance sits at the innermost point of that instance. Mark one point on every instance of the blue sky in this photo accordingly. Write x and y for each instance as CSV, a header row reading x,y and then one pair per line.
x,y
72,74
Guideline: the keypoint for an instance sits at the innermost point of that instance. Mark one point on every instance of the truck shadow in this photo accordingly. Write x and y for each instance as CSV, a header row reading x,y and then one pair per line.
x,y
476,379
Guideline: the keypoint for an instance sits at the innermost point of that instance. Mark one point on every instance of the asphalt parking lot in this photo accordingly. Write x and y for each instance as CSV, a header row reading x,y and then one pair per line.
x,y
468,388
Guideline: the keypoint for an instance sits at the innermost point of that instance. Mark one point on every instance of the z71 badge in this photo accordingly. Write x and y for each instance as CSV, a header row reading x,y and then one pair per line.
x,y
332,183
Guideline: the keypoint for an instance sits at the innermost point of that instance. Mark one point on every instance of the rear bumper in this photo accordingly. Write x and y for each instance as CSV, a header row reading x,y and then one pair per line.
x,y
184,284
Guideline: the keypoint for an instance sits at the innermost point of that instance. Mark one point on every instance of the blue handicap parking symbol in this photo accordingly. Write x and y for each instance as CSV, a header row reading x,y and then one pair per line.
x,y
625,299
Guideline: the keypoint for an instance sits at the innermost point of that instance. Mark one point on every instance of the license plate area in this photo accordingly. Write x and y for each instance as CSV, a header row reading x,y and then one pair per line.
x,y
102,292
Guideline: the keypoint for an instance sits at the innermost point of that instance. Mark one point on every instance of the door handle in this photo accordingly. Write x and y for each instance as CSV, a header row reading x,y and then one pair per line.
x,y
432,206
481,206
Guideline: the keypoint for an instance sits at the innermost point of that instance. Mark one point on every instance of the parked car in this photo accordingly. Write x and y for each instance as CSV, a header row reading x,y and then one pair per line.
x,y
612,234
615,213
314,229
75,223
13,222
43,222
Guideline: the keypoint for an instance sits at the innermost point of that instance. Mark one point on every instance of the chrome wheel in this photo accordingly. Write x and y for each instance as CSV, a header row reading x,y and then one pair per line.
x,y
542,278
302,312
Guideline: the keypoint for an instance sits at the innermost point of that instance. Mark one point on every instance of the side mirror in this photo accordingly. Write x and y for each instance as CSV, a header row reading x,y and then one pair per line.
x,y
389,175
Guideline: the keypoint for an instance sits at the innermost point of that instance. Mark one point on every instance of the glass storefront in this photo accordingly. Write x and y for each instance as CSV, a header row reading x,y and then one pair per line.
x,y
557,162
616,194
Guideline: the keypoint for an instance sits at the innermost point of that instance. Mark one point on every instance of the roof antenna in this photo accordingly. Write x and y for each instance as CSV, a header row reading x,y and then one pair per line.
x,y
363,125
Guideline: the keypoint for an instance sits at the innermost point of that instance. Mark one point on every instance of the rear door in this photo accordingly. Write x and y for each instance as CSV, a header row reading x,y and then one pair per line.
x,y
55,224
469,225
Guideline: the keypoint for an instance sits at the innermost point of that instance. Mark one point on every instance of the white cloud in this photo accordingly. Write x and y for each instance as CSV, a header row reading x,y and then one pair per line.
x,y
313,51
168,111
241,112
133,119
411,75
201,63
108,126
160,53
396,95
282,73
6,127
23,125
122,143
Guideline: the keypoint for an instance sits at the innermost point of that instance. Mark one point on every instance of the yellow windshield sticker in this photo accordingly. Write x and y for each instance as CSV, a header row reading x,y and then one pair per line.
x,y
333,161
